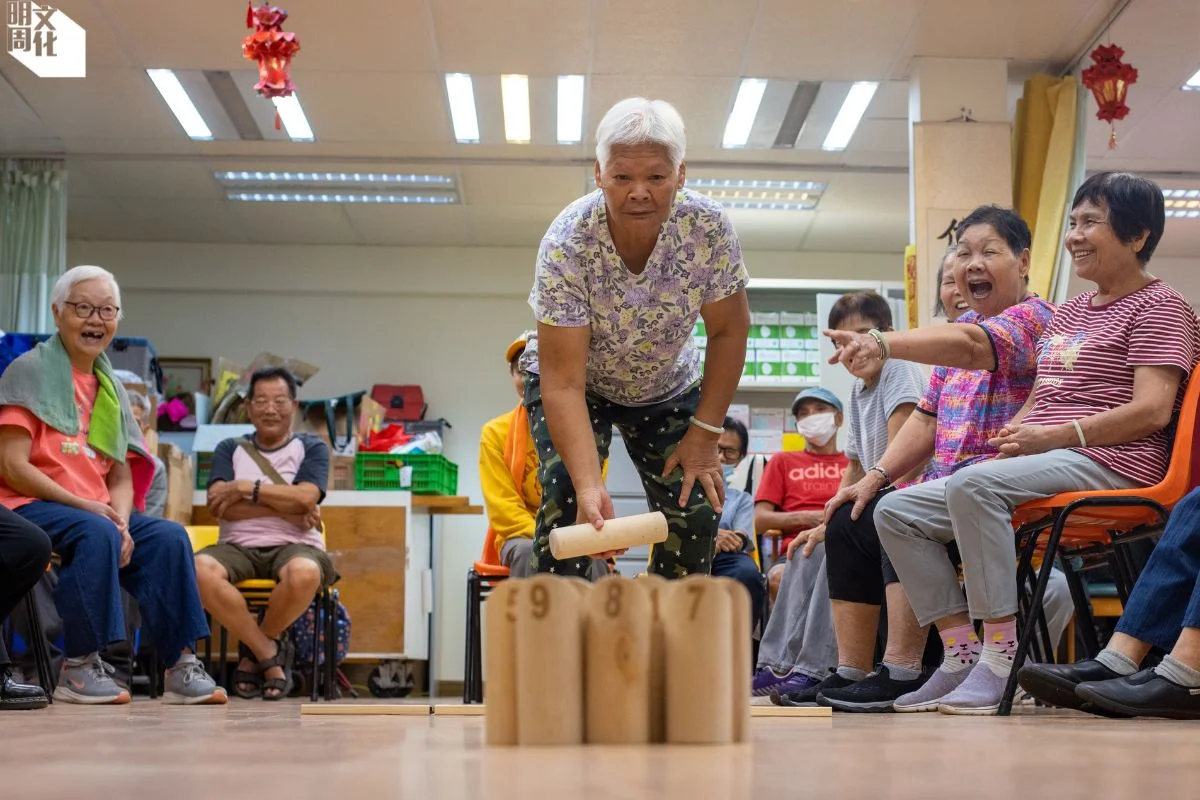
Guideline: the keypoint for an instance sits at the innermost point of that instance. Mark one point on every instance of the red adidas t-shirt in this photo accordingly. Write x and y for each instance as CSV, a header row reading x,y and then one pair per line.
x,y
801,481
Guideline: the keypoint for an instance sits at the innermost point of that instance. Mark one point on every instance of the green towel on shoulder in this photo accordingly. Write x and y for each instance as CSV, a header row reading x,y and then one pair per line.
x,y
41,381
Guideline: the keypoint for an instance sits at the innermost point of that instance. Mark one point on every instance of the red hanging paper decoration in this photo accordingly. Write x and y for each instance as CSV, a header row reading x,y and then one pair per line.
x,y
273,49
1109,80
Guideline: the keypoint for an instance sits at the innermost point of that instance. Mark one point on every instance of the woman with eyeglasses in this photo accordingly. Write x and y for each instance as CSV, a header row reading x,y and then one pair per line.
x,y
1110,373
73,462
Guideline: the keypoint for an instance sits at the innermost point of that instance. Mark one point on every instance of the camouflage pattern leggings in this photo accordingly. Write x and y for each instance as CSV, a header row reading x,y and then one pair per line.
x,y
651,434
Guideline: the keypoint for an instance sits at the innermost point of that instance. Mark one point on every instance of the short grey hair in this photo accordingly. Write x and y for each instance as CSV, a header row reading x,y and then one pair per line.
x,y
77,275
636,120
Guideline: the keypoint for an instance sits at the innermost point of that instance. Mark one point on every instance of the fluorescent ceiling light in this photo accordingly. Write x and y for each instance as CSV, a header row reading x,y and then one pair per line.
x,y
382,180
292,115
721,183
767,206
1180,193
851,113
570,109
745,109
1193,83
181,105
514,95
1193,213
461,93
327,197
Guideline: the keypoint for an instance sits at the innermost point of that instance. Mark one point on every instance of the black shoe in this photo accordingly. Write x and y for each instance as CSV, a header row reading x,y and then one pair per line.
x,y
808,697
19,696
1142,694
876,692
1055,684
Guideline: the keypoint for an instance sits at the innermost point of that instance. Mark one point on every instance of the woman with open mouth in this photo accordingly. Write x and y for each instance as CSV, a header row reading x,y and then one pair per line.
x,y
1110,375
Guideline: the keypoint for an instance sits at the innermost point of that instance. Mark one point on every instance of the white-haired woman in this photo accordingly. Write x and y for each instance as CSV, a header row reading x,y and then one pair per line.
x,y
622,275
72,463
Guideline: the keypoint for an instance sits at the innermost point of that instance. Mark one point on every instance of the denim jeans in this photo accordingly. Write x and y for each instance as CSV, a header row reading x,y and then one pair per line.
x,y
161,576
1166,598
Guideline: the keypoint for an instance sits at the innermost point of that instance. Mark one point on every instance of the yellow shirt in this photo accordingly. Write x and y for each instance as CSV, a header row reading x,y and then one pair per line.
x,y
511,509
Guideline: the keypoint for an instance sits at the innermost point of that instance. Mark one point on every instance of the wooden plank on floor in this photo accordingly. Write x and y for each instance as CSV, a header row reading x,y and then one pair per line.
x,y
791,711
458,710
365,709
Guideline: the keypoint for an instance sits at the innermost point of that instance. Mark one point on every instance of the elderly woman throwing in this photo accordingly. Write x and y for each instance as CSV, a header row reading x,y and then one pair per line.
x,y
70,458
1110,374
622,275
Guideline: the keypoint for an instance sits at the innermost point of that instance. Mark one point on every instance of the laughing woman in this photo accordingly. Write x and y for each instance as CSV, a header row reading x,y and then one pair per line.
x,y
1110,377
70,457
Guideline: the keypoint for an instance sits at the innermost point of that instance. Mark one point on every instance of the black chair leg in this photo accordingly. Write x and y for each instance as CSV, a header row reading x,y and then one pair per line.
x,y
318,614
1029,630
223,667
473,611
331,687
1085,623
37,643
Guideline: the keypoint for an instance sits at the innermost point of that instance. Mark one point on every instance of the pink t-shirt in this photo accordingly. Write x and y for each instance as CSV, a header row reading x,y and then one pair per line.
x,y
303,459
1086,363
66,460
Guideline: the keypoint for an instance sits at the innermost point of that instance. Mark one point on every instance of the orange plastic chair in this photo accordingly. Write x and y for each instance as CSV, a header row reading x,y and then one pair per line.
x,y
1097,525
481,579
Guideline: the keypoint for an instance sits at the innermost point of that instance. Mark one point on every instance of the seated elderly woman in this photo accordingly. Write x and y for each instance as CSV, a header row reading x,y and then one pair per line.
x,y
72,463
860,575
1110,375
622,275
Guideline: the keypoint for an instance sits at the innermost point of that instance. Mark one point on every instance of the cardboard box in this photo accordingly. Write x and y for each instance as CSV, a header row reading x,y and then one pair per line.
x,y
698,329
740,412
766,442
764,318
792,318
769,419
764,332
769,367
341,474
180,484
748,365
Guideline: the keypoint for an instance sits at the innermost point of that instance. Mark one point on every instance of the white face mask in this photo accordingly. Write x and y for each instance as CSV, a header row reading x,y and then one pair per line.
x,y
817,428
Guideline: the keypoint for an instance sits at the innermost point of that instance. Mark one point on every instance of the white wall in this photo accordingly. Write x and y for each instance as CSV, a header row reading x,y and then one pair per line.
x,y
438,317
1182,273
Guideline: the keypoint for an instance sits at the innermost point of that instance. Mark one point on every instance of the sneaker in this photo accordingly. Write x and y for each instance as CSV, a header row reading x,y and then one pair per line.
x,y
89,682
765,680
926,698
187,684
808,697
978,696
876,692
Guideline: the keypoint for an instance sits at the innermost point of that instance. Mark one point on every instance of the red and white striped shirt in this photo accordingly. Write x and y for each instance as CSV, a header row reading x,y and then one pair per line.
x,y
1086,362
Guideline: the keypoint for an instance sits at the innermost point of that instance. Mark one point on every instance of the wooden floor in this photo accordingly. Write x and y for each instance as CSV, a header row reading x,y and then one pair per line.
x,y
259,750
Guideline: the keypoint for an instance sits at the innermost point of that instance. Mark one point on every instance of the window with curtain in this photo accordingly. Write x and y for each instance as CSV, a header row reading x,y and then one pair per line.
x,y
33,240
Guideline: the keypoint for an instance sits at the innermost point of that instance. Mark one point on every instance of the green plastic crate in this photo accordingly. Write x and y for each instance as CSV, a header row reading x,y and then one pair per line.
x,y
431,474
203,468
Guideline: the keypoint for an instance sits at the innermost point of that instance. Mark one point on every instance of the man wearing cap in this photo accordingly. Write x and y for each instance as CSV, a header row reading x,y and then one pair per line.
x,y
798,645
508,475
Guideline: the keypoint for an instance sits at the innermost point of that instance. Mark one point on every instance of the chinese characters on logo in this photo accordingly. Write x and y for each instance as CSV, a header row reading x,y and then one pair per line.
x,y
30,29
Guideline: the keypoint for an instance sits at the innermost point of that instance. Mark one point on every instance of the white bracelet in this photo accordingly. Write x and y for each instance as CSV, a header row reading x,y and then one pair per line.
x,y
1079,433
704,426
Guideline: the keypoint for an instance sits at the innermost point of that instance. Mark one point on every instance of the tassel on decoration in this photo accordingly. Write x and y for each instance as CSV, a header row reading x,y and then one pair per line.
x,y
277,121
249,14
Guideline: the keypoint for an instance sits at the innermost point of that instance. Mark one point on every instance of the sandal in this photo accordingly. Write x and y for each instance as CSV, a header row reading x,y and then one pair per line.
x,y
278,688
247,685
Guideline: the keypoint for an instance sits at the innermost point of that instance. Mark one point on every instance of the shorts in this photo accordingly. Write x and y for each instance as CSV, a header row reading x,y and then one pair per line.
x,y
262,563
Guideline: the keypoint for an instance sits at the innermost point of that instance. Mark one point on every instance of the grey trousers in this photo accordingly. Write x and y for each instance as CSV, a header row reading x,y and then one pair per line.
x,y
974,507
517,555
799,635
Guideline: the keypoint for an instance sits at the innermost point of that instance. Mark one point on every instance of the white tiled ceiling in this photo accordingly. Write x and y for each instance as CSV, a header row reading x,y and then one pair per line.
x,y
370,77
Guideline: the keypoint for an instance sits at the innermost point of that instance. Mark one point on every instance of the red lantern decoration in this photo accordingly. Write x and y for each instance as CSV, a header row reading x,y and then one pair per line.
x,y
1109,80
273,49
